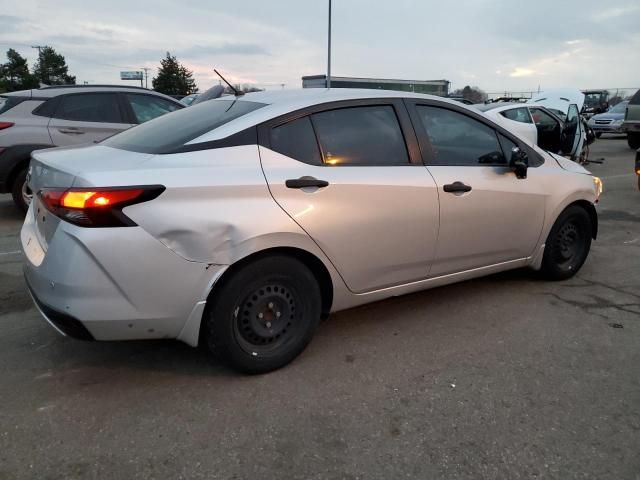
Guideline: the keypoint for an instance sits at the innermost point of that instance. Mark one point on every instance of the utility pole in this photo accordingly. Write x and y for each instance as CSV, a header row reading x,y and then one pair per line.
x,y
329,50
146,77
42,69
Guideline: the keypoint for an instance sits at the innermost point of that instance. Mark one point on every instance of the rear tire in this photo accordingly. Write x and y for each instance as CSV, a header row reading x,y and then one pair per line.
x,y
20,192
264,315
633,139
568,244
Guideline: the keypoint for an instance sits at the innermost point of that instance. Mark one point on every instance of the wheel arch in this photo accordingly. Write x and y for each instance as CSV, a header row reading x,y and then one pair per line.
x,y
593,215
20,156
311,261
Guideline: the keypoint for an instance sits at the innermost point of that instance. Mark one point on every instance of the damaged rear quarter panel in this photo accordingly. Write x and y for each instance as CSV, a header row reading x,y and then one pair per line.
x,y
216,208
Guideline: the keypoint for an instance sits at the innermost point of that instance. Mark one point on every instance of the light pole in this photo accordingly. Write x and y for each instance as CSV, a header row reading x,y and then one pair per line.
x,y
329,50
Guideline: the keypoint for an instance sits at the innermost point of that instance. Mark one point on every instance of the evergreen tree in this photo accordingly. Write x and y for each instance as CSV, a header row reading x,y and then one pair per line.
x,y
174,78
14,75
51,68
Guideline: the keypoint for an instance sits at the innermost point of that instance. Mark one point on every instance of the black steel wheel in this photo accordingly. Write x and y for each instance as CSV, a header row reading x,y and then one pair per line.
x,y
568,244
263,315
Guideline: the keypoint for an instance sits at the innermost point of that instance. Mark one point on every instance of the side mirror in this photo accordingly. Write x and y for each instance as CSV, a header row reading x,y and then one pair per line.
x,y
519,162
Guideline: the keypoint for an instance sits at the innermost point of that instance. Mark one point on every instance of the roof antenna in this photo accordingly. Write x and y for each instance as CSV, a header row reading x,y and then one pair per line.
x,y
235,91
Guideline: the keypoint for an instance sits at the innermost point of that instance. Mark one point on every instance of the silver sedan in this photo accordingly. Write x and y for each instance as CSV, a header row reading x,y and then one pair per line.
x,y
241,222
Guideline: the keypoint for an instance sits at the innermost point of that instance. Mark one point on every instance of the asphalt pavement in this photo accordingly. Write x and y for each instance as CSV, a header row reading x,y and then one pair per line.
x,y
504,377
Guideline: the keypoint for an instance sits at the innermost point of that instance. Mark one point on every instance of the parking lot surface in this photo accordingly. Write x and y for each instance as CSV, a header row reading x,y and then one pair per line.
x,y
502,377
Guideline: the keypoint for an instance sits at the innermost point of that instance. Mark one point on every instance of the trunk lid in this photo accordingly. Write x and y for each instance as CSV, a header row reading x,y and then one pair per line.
x,y
559,99
67,167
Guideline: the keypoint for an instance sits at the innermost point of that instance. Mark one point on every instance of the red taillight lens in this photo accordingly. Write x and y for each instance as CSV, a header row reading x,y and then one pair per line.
x,y
97,207
4,125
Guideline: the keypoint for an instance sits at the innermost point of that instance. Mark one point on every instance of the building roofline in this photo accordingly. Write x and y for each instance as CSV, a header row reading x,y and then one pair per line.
x,y
376,80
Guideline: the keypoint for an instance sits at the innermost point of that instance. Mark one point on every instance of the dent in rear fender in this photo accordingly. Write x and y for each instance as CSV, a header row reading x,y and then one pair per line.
x,y
216,207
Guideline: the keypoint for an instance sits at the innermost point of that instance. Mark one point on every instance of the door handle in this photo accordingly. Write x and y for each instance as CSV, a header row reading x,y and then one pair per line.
x,y
456,187
71,130
304,182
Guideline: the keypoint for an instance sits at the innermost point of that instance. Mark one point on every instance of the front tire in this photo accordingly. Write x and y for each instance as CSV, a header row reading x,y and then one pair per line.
x,y
633,139
264,315
598,134
20,191
568,244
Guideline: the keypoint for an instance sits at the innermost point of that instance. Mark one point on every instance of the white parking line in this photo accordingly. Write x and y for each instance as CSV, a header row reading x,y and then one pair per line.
x,y
10,253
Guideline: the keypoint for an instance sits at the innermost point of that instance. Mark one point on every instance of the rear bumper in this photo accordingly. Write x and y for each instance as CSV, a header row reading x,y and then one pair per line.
x,y
631,127
112,283
63,323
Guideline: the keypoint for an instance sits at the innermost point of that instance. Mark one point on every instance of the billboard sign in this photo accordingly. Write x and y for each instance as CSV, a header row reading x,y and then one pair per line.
x,y
130,75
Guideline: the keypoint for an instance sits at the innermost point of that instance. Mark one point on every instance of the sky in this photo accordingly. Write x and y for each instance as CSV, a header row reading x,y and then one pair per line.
x,y
498,45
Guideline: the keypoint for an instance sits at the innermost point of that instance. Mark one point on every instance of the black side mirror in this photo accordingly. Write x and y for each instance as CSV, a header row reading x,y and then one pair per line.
x,y
519,162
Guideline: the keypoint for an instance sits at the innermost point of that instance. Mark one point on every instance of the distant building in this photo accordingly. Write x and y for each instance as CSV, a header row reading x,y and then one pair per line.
x,y
432,87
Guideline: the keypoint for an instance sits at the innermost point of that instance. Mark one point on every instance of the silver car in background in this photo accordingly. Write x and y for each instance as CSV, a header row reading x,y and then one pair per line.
x,y
240,222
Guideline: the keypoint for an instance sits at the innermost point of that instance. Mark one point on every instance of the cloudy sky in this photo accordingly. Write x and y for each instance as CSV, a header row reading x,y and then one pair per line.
x,y
495,44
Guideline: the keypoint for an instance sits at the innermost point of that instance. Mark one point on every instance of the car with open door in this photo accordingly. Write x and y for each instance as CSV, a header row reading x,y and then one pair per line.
x,y
239,222
550,120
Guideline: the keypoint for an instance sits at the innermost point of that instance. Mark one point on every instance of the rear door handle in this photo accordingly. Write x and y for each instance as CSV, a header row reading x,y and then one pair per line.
x,y
305,182
71,130
456,187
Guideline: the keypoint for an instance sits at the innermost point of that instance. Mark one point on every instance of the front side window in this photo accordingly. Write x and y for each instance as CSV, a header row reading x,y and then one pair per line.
x,y
369,135
297,140
90,107
148,107
457,139
517,115
170,132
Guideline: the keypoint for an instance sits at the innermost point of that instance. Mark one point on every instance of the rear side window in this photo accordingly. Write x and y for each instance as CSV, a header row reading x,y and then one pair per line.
x,y
296,140
517,115
170,132
90,107
7,103
368,135
148,107
457,139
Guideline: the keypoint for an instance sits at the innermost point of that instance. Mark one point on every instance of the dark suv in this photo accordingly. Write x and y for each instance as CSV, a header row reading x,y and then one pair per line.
x,y
631,123
63,116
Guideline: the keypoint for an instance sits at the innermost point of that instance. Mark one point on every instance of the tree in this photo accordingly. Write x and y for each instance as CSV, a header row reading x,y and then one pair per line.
x,y
14,75
174,78
51,68
473,94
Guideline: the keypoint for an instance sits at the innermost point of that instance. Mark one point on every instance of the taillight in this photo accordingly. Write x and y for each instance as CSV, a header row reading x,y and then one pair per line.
x,y
4,125
97,207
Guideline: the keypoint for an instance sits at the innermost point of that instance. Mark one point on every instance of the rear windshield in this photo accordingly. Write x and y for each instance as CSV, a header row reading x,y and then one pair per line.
x,y
7,103
635,100
169,132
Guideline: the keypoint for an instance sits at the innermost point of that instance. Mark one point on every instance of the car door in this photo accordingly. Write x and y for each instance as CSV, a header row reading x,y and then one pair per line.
x,y
487,215
147,107
573,134
86,117
351,176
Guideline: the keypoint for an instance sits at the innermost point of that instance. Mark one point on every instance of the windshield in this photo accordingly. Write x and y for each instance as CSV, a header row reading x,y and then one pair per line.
x,y
619,108
7,103
169,132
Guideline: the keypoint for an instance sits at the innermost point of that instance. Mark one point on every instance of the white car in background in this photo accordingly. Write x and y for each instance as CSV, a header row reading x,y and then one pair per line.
x,y
550,120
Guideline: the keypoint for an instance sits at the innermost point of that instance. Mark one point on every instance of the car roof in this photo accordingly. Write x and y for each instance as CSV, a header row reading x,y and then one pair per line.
x,y
56,90
281,102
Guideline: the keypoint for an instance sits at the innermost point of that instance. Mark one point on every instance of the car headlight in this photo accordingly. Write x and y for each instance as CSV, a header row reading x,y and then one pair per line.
x,y
617,122
598,186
